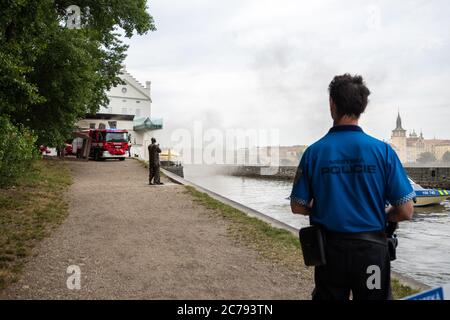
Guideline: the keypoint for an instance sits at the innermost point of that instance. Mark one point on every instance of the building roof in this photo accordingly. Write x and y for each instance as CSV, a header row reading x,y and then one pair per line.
x,y
132,81
436,142
412,142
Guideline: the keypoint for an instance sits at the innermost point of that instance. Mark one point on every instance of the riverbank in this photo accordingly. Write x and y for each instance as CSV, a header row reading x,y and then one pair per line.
x,y
267,235
29,211
280,245
134,241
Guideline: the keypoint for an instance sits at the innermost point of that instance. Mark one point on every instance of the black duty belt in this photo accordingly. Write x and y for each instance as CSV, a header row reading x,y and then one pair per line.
x,y
376,236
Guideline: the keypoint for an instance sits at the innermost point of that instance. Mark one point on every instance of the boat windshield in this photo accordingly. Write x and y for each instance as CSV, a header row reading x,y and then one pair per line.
x,y
415,185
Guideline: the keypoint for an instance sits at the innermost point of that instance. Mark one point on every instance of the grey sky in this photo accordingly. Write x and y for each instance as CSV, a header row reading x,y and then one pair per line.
x,y
267,63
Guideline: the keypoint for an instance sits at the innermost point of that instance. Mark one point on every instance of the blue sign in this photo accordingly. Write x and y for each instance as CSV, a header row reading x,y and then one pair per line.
x,y
440,293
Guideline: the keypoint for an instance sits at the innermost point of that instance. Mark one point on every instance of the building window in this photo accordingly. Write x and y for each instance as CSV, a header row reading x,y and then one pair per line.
x,y
124,100
91,125
124,110
138,112
124,90
138,101
112,124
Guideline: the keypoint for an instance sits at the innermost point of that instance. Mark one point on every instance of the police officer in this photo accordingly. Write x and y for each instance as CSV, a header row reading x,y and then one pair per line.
x,y
153,162
343,183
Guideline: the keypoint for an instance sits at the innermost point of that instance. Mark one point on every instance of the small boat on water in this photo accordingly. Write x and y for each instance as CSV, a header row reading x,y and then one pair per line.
x,y
169,160
427,197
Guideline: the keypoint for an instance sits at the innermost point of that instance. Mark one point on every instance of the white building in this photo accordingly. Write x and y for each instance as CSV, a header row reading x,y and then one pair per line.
x,y
130,108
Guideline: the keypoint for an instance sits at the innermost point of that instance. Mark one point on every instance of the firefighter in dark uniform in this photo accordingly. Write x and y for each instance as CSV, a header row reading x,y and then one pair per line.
x,y
153,163
343,183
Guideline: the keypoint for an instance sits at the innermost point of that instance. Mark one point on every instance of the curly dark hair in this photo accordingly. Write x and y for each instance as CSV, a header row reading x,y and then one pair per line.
x,y
349,94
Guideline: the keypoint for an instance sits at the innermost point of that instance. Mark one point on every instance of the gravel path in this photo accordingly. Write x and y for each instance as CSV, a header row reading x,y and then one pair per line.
x,y
134,241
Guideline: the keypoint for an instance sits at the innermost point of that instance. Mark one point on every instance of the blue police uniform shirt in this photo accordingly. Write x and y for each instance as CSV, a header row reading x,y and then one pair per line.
x,y
350,176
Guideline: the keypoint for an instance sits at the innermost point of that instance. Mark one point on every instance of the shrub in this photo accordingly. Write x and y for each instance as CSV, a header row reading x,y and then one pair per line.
x,y
17,151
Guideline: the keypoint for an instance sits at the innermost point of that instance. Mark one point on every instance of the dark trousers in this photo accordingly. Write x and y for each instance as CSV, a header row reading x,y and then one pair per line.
x,y
350,268
153,173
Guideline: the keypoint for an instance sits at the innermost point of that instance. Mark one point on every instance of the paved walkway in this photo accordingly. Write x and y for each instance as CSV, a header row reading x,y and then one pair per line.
x,y
134,241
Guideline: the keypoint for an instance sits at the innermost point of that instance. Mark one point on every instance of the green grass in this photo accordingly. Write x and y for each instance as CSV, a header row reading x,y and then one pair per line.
x,y
400,290
278,245
28,213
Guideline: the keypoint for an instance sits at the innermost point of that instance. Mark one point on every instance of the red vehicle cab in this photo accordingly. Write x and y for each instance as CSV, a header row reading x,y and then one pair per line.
x,y
108,143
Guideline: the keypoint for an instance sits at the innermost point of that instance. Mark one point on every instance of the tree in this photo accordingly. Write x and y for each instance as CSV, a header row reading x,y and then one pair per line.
x,y
51,76
426,157
67,75
21,39
446,157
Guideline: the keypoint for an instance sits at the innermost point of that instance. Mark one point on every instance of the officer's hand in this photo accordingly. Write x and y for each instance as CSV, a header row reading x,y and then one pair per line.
x,y
401,213
300,209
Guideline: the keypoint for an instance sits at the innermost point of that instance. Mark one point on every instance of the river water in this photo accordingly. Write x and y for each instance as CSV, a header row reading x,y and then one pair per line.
x,y
424,243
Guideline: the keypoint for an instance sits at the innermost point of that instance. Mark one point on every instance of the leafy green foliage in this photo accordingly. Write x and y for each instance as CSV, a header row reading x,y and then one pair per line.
x,y
17,151
21,40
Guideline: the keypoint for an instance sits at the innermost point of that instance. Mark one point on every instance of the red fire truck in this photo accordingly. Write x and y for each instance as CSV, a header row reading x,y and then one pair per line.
x,y
108,143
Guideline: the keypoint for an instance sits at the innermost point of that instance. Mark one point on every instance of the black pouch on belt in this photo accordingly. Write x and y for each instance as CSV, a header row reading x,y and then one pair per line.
x,y
313,245
392,246
392,240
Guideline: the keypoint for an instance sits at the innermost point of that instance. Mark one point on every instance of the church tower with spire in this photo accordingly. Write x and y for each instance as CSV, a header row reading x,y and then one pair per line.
x,y
399,131
409,148
398,140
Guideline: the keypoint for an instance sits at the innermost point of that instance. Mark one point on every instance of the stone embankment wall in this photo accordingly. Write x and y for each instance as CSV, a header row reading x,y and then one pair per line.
x,y
437,177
